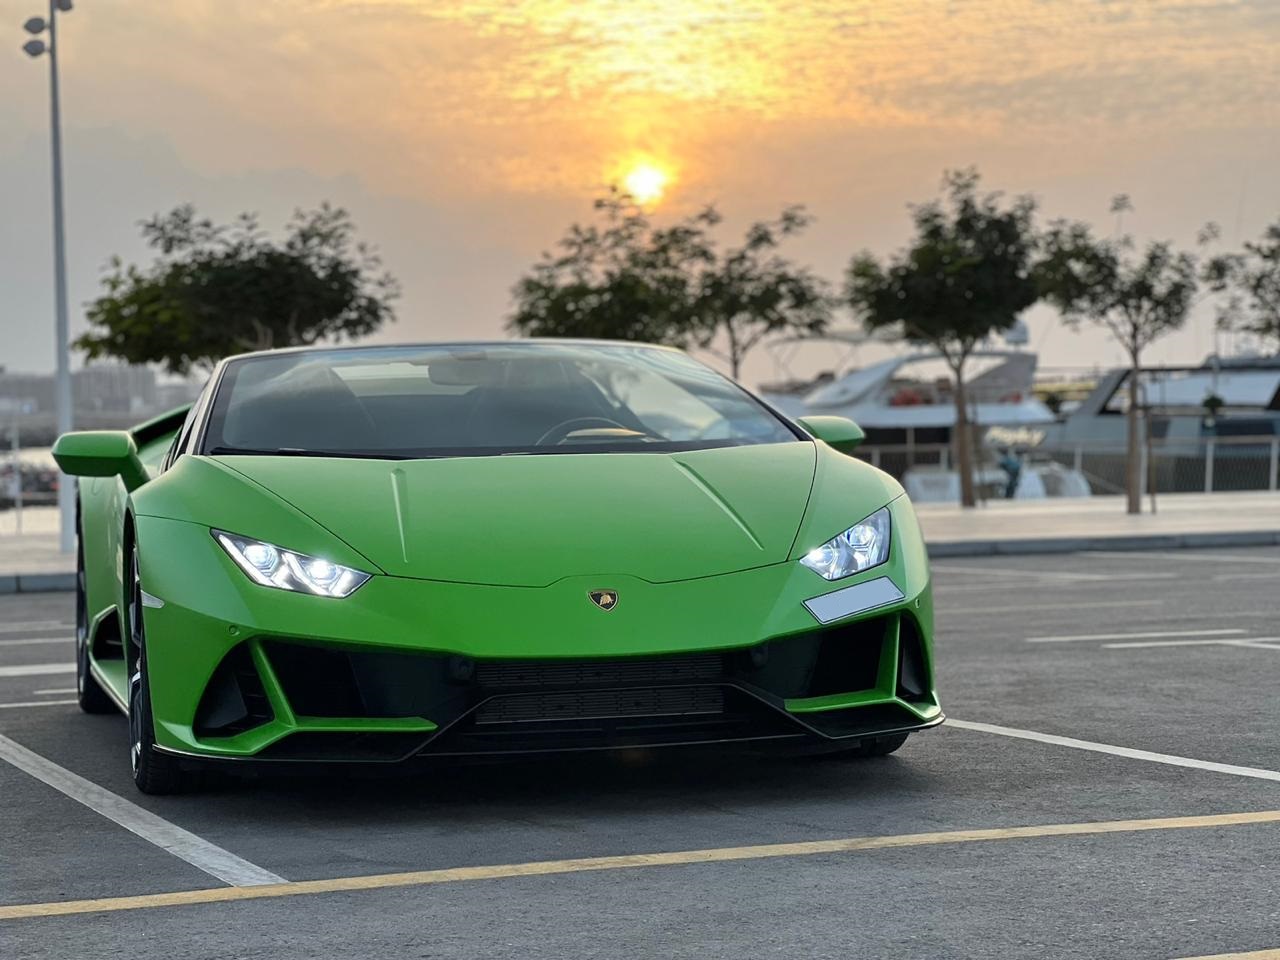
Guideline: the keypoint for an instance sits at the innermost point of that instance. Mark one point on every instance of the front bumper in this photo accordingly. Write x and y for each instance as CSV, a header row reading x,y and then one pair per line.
x,y
410,667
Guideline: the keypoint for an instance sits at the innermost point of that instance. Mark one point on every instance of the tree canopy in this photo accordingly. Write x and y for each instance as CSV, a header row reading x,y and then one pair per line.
x,y
752,291
624,279
1250,281
964,276
1138,295
629,279
215,290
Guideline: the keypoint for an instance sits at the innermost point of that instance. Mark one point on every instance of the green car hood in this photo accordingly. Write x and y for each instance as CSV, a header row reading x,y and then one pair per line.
x,y
531,520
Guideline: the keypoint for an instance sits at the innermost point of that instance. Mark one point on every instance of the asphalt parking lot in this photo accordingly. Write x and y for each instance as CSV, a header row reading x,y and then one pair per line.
x,y
1111,714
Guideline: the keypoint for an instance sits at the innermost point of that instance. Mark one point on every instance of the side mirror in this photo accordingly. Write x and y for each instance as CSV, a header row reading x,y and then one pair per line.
x,y
838,432
101,453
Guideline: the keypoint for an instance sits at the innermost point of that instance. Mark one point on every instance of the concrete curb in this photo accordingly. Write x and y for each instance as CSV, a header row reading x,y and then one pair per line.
x,y
1139,542
36,582
57,582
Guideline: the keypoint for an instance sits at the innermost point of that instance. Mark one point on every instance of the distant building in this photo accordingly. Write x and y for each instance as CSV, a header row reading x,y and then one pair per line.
x,y
176,393
115,388
26,392
97,388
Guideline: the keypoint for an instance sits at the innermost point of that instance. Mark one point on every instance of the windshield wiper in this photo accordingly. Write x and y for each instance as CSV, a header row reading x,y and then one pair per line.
x,y
301,452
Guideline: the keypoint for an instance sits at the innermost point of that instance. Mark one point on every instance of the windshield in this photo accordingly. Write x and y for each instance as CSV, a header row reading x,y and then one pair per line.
x,y
476,400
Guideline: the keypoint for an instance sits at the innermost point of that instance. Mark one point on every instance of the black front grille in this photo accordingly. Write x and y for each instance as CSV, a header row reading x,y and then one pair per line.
x,y
533,674
603,704
497,705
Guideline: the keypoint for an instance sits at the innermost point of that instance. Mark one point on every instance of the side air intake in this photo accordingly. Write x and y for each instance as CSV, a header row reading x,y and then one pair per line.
x,y
913,676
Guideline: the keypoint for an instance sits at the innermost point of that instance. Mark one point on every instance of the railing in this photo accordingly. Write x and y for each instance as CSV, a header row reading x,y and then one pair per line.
x,y
1209,465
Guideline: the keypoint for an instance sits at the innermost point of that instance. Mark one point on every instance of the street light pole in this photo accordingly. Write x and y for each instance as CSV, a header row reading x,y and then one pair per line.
x,y
62,394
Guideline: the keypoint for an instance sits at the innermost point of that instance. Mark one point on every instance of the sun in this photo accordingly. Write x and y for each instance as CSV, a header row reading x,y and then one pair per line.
x,y
646,182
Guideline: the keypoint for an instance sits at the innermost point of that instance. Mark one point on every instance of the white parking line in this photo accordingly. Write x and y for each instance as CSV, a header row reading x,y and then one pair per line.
x,y
1148,635
183,844
1258,643
37,669
22,626
1188,556
32,641
1058,606
1255,773
51,691
1249,642
977,570
35,703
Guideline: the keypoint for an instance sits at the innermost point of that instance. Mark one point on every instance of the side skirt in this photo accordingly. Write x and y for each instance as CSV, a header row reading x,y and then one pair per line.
x,y
108,687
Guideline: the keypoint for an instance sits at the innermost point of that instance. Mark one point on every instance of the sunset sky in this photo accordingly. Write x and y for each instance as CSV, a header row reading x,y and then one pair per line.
x,y
465,136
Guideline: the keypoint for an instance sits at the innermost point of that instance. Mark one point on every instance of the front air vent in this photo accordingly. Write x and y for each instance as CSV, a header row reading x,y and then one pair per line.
x,y
913,676
234,700
537,674
317,681
602,704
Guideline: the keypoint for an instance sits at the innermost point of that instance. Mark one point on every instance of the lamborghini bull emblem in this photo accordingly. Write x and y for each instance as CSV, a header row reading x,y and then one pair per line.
x,y
604,599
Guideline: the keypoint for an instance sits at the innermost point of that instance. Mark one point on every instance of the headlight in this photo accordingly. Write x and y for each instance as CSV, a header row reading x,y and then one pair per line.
x,y
274,566
861,547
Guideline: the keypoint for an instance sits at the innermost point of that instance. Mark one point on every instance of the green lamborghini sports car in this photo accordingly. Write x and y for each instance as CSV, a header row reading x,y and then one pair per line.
x,y
373,554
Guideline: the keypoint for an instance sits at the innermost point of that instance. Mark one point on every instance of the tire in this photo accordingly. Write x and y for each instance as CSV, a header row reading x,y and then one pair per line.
x,y
154,772
89,693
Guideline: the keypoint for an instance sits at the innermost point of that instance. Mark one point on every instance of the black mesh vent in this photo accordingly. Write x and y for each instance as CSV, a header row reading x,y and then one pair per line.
x,y
841,659
848,659
234,700
526,674
738,717
323,681
602,704
317,681
913,676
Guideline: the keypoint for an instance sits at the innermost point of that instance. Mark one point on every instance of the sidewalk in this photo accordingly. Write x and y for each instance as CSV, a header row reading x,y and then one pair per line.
x,y
31,562
1100,523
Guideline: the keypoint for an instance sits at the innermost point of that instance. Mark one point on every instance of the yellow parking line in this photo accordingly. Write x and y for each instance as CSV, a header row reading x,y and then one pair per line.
x,y
675,858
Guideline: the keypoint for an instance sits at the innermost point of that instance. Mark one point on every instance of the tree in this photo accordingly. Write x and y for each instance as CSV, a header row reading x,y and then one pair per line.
x,y
623,280
214,290
1137,296
965,276
1251,282
752,292
631,280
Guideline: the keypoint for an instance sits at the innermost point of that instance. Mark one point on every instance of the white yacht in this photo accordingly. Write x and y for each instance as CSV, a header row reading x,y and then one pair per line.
x,y
906,406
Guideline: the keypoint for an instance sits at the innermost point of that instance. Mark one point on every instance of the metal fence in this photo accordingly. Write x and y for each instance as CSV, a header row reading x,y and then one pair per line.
x,y
1208,466
1212,465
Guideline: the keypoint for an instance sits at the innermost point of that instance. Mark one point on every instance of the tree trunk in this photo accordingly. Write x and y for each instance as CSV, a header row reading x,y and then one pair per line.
x,y
960,435
735,356
1133,449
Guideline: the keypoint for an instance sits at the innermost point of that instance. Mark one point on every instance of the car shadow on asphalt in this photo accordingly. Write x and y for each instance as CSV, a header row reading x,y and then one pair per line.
x,y
651,779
